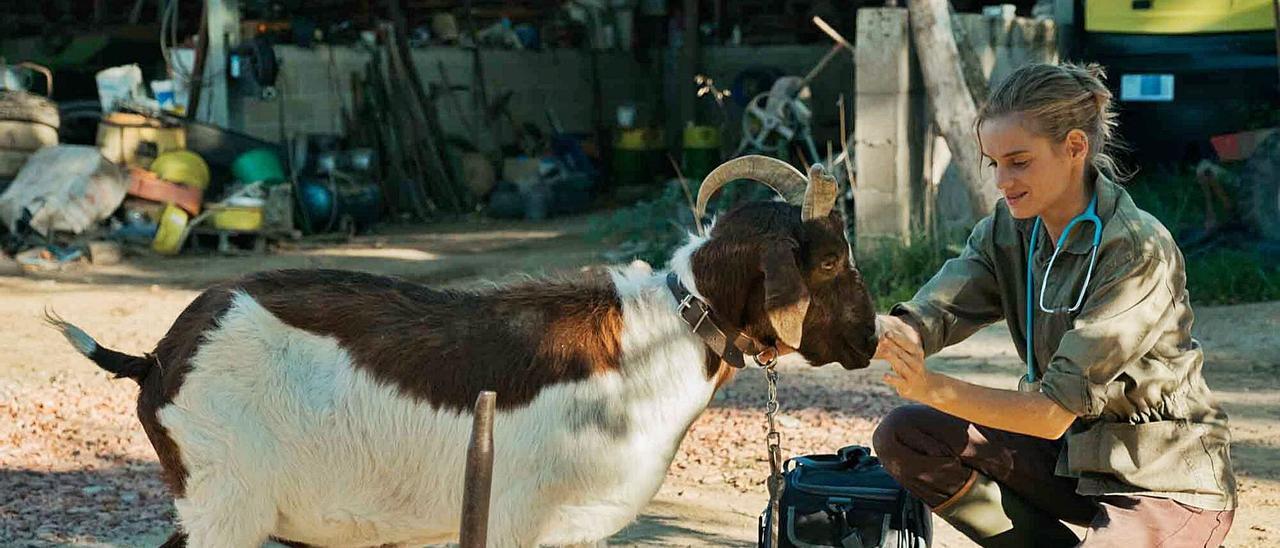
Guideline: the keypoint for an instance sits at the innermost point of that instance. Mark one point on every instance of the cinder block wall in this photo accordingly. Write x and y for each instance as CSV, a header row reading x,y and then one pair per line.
x,y
315,84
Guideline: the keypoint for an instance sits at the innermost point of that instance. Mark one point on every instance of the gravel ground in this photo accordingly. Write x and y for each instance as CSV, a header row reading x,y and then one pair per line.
x,y
76,469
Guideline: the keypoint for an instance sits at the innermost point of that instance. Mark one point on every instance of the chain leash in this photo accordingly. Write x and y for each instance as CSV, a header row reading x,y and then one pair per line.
x,y
773,442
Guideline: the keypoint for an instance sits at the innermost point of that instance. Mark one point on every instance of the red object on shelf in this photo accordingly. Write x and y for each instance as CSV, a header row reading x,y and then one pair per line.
x,y
1238,146
145,184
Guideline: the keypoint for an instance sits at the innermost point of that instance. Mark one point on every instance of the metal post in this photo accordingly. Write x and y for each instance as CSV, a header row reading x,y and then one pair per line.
x,y
478,478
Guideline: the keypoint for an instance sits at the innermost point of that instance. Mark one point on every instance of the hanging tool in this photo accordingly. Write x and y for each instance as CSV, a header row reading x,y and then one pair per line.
x,y
774,119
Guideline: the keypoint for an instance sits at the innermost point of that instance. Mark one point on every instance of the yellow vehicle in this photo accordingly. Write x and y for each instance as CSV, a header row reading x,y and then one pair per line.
x,y
1183,70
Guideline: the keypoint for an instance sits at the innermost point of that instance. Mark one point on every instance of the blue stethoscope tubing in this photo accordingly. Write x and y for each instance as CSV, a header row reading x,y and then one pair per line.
x,y
1090,215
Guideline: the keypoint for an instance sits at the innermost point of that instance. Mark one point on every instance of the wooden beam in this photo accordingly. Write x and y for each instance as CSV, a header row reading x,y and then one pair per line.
x,y
196,85
954,109
688,65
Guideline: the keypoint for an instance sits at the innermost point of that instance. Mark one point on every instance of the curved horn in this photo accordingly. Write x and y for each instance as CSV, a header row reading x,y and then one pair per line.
x,y
819,195
782,177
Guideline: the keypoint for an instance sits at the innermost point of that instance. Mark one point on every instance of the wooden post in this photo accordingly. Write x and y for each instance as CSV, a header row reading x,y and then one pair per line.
x,y
223,20
1275,10
478,479
196,83
954,110
689,55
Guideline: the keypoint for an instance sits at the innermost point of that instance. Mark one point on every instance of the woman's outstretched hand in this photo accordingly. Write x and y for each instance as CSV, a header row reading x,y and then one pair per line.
x,y
900,346
1029,413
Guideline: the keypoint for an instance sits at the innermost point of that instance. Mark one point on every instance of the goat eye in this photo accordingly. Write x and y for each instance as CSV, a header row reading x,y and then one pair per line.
x,y
830,264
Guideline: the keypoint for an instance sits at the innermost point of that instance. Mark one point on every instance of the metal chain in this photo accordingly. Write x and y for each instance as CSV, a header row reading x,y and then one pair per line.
x,y
773,441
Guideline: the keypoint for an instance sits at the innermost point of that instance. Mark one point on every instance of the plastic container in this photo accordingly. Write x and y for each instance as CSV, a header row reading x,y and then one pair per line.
x,y
183,167
317,211
136,140
321,210
148,185
173,222
362,202
258,165
701,151
637,156
240,218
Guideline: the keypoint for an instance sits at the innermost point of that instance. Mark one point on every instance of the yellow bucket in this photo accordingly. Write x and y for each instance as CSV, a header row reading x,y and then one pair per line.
x,y
242,218
639,139
134,140
182,167
701,137
173,222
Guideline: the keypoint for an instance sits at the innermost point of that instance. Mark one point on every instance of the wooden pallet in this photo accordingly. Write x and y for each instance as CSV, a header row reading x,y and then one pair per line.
x,y
228,242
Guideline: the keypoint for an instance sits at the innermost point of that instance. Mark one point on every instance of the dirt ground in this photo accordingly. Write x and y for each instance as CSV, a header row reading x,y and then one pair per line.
x,y
75,468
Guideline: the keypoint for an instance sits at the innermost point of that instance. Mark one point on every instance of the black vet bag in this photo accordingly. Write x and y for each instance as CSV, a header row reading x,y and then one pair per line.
x,y
849,501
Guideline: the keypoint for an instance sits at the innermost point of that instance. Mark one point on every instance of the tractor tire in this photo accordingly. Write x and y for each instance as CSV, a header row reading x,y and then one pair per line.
x,y
1261,192
11,162
26,107
21,135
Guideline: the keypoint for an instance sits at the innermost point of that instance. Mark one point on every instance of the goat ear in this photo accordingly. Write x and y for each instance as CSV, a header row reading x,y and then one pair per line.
x,y
786,298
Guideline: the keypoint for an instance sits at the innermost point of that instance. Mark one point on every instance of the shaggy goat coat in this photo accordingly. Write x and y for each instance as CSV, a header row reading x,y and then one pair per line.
x,y
350,427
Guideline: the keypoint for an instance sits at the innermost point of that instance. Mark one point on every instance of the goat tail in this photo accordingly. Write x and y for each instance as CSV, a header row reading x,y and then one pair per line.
x,y
117,363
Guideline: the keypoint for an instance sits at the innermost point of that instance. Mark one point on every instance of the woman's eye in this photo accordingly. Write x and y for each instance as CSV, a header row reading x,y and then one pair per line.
x,y
1021,163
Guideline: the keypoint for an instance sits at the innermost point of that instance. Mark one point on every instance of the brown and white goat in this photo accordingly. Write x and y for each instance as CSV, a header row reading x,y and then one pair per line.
x,y
333,408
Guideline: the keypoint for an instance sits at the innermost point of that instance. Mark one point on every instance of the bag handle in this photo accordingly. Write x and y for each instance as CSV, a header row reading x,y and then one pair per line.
x,y
48,75
857,456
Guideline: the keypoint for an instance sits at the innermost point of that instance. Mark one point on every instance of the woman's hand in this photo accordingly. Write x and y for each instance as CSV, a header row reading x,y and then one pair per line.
x,y
900,345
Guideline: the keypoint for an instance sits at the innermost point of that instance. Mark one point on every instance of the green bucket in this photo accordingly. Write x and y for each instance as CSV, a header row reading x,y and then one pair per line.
x,y
638,157
259,164
701,151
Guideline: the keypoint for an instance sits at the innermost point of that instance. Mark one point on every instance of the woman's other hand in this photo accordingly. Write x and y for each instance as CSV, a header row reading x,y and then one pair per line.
x,y
900,346
892,327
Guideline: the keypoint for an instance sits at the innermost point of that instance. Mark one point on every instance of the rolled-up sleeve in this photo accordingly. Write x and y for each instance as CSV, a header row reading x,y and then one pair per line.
x,y
963,297
1119,323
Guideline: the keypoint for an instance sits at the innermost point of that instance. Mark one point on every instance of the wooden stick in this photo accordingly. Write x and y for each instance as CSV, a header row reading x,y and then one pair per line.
x,y
478,481
844,145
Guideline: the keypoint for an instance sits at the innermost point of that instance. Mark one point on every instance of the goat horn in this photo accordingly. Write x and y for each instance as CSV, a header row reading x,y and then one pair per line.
x,y
782,177
819,195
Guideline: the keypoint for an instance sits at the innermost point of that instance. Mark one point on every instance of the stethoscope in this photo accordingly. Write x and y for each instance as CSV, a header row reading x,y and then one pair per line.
x,y
1090,215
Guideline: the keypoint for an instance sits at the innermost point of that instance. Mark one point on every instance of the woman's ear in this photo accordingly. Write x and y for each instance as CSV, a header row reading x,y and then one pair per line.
x,y
1077,144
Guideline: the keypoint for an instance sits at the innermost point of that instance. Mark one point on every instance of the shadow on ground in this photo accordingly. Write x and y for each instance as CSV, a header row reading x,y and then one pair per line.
x,y
115,502
666,530
448,252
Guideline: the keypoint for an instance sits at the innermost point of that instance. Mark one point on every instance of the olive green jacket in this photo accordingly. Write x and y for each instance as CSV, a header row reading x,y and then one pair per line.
x,y
1124,362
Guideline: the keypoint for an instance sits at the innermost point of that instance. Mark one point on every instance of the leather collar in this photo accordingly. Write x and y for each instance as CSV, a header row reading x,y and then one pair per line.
x,y
732,345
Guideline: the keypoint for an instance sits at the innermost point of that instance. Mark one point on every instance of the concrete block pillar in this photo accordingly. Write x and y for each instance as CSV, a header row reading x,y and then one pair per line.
x,y
224,33
889,118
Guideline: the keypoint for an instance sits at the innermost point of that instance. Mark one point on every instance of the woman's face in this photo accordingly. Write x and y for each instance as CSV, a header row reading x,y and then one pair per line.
x,y
1034,173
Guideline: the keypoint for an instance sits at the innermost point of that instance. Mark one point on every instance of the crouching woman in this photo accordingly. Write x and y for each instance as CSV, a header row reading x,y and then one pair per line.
x,y
1113,427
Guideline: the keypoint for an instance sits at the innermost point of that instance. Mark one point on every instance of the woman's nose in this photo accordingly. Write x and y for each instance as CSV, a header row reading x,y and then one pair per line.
x,y
1003,181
